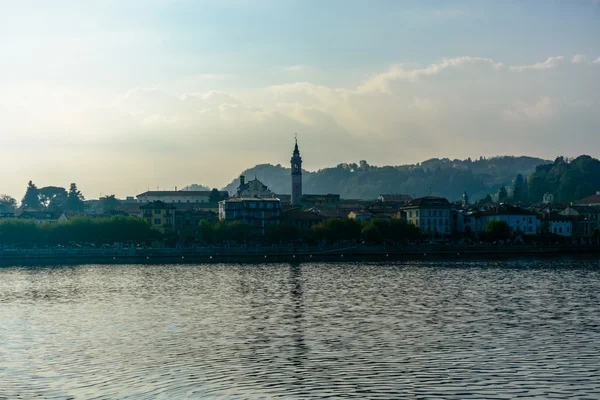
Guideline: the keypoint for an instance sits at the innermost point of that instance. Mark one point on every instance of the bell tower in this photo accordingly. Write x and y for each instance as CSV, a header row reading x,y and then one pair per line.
x,y
296,163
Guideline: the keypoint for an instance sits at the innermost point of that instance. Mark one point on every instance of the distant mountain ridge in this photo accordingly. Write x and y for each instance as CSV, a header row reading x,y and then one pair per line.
x,y
439,177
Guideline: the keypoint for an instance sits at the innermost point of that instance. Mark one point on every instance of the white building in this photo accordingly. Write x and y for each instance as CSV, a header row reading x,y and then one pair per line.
x,y
430,214
519,220
177,196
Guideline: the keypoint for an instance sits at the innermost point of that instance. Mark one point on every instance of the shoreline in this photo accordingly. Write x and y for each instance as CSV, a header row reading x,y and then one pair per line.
x,y
283,254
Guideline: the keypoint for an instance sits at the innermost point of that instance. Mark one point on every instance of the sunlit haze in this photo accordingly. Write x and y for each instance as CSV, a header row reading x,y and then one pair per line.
x,y
121,96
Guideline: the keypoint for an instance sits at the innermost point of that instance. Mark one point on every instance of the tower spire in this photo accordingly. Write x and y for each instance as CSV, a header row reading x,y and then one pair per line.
x,y
296,164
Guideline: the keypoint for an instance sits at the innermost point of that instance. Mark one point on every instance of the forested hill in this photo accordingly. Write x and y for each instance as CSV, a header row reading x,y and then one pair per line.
x,y
445,177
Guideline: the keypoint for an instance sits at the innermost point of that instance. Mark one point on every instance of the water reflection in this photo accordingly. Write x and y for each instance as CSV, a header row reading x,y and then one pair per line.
x,y
419,329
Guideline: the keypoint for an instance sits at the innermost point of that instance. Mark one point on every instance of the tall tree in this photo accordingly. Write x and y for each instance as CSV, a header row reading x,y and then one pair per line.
x,y
74,199
502,195
519,188
7,203
109,203
31,200
215,196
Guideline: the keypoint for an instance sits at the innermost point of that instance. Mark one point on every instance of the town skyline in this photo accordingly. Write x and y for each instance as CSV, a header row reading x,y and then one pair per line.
x,y
197,92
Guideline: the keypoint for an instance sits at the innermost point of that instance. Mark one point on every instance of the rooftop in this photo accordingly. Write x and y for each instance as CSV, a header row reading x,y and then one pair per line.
x,y
594,199
428,201
182,193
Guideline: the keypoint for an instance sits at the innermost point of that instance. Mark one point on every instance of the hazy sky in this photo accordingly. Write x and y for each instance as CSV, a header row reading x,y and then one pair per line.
x,y
122,95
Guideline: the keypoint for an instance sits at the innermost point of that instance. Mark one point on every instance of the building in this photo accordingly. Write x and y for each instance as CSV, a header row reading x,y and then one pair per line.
x,y
189,219
159,215
302,219
321,200
44,217
296,164
430,214
394,199
586,219
253,189
593,200
178,196
560,225
548,198
518,219
258,213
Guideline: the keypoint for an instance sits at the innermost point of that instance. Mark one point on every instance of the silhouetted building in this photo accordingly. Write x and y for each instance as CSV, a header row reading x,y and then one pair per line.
x,y
296,163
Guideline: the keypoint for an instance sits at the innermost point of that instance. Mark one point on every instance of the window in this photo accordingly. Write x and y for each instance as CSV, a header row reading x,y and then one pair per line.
x,y
567,229
156,211
560,229
554,230
530,220
530,229
149,221
157,221
410,214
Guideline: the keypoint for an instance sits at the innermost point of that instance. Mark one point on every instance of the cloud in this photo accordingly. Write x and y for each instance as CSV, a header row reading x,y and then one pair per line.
x,y
380,82
597,60
542,109
578,59
452,108
299,69
551,62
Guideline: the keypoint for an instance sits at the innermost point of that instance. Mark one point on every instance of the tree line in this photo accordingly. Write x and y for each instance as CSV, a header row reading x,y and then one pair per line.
x,y
52,198
101,231
83,230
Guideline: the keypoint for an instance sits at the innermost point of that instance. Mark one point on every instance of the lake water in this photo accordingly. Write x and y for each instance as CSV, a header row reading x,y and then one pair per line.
x,y
528,329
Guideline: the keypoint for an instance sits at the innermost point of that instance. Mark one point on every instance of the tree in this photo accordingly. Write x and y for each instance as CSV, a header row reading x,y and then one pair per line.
x,y
7,203
497,230
109,203
502,195
283,233
519,189
215,196
206,232
31,200
53,197
74,199
486,200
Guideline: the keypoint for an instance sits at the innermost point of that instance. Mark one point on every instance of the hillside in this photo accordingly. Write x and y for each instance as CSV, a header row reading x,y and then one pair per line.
x,y
441,177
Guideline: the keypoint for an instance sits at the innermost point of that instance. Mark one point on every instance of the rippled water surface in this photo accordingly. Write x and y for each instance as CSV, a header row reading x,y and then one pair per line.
x,y
407,330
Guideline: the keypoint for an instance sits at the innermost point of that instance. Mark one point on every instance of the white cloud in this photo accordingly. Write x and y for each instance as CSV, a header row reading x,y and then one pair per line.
x,y
597,60
551,62
299,69
542,109
578,59
380,82
456,107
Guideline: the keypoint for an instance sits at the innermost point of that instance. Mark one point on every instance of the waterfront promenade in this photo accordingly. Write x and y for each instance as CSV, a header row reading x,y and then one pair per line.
x,y
284,253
